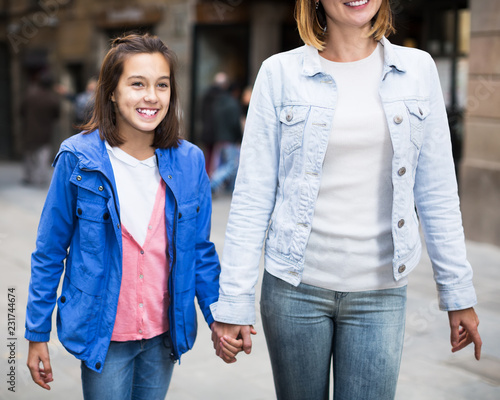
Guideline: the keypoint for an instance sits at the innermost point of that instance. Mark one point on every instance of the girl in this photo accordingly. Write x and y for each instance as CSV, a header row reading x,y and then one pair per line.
x,y
344,136
131,201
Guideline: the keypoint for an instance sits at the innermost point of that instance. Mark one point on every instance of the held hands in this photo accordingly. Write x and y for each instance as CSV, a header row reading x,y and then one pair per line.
x,y
39,353
463,325
230,339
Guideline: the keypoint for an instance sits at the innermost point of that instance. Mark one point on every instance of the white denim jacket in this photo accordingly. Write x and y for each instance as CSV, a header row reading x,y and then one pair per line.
x,y
284,144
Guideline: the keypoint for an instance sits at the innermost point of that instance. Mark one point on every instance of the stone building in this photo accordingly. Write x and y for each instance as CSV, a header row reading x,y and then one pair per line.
x,y
480,168
70,37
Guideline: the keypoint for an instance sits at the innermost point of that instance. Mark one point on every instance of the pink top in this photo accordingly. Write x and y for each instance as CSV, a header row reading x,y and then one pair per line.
x,y
144,299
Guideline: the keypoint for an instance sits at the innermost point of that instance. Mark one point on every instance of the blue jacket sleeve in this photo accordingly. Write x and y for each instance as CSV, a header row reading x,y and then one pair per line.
x,y
207,260
54,235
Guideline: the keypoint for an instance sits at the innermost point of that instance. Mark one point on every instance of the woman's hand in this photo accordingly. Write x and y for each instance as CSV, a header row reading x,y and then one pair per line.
x,y
230,339
463,325
41,374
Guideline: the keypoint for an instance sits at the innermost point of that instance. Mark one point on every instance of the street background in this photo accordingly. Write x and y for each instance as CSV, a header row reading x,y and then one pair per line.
x,y
429,370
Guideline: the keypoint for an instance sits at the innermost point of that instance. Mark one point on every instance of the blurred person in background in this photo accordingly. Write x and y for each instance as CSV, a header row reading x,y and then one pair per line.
x,y
40,109
208,132
84,103
227,130
344,137
131,201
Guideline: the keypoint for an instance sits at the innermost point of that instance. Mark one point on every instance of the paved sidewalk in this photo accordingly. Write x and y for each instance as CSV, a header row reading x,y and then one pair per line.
x,y
429,371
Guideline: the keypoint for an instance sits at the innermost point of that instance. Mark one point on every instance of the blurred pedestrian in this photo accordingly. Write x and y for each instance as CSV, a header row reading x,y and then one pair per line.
x,y
40,109
84,103
208,130
227,129
246,95
131,201
345,136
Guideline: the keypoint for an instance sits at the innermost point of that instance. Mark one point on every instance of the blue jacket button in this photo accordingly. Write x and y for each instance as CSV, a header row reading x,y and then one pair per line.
x,y
98,365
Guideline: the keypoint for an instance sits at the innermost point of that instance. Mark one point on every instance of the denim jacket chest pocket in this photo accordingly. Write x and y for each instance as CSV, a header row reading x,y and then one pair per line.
x,y
418,110
292,123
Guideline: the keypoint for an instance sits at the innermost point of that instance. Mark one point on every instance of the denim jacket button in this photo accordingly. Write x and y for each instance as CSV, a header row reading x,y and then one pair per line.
x,y
402,171
398,119
289,116
401,223
402,269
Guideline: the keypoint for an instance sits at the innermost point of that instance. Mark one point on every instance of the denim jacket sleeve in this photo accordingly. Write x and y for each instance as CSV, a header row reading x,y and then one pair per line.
x,y
437,203
53,238
251,208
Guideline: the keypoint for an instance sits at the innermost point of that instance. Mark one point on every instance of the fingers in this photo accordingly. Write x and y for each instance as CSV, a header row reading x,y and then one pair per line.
x,y
39,364
247,340
231,347
228,340
464,331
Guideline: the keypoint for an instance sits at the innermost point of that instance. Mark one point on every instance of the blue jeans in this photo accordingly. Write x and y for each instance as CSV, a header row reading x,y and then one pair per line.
x,y
227,156
307,328
137,370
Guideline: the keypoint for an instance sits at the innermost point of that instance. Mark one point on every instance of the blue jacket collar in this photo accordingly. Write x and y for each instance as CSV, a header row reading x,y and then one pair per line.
x,y
91,152
312,64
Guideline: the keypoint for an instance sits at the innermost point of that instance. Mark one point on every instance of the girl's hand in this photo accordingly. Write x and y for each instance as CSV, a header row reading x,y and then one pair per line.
x,y
230,346
41,374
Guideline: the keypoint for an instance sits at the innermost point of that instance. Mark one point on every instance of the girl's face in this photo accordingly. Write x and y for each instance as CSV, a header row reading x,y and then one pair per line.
x,y
351,14
142,96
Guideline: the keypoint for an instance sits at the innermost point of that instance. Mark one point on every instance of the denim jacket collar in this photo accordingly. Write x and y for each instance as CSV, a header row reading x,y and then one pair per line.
x,y
312,63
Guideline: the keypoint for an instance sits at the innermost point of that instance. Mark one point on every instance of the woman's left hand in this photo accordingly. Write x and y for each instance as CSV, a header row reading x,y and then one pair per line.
x,y
463,325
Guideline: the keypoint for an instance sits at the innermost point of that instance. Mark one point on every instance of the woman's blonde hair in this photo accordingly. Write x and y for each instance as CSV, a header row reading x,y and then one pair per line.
x,y
312,32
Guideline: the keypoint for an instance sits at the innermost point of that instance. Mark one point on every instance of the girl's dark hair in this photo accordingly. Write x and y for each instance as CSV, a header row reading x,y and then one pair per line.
x,y
168,132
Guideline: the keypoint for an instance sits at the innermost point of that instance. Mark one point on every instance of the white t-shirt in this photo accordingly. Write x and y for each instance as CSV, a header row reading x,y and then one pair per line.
x,y
137,183
350,247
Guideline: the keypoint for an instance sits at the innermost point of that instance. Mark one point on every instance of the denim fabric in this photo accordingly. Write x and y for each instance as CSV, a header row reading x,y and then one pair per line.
x,y
286,136
227,155
306,327
136,370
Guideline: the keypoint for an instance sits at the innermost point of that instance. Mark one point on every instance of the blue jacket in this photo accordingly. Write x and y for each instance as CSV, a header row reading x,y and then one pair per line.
x,y
286,137
82,213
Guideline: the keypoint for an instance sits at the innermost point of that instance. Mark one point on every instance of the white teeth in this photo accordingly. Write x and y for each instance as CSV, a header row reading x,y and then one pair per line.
x,y
357,3
147,112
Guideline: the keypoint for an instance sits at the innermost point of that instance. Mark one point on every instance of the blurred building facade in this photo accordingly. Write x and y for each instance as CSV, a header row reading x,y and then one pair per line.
x,y
71,37
480,167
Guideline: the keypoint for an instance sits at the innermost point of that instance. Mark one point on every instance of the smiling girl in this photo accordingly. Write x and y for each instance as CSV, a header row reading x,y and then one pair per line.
x,y
131,201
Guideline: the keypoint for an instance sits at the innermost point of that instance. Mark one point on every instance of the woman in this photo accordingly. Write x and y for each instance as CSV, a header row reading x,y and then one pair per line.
x,y
343,138
132,202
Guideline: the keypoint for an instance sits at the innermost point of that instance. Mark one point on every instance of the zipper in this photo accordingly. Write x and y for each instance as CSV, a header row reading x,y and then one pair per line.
x,y
173,333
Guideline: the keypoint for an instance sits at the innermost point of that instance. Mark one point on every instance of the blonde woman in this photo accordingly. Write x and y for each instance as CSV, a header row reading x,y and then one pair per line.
x,y
343,139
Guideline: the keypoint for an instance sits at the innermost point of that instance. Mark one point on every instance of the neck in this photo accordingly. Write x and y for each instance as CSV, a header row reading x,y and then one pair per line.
x,y
348,44
138,144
